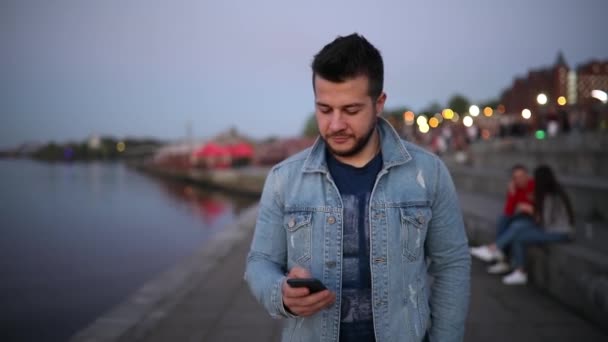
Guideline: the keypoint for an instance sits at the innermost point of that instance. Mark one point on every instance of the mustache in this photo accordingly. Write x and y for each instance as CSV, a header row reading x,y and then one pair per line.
x,y
339,135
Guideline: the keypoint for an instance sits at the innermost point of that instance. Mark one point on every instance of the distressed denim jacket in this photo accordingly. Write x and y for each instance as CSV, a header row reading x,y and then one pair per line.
x,y
416,229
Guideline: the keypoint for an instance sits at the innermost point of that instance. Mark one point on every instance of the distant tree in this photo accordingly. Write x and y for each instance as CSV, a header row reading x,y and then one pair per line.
x,y
459,103
310,128
396,113
432,108
490,103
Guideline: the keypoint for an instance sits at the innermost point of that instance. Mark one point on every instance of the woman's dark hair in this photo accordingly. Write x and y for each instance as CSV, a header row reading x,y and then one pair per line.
x,y
349,57
545,184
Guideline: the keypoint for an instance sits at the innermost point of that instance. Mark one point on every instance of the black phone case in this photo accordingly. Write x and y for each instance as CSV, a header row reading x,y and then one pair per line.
x,y
313,285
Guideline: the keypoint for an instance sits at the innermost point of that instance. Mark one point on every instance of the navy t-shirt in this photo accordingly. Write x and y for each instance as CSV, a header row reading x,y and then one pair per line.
x,y
355,185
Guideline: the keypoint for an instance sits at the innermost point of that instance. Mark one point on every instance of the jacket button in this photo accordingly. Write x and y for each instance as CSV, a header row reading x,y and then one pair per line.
x,y
291,223
331,220
420,219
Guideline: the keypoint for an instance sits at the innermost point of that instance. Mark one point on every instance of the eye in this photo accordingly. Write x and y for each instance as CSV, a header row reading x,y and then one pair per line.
x,y
325,110
352,110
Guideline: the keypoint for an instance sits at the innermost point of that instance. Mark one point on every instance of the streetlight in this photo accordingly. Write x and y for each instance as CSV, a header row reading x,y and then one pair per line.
x,y
600,95
541,99
467,121
474,110
526,113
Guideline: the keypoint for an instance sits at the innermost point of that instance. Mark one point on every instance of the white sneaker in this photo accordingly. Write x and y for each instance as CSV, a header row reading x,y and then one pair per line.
x,y
516,277
486,254
499,268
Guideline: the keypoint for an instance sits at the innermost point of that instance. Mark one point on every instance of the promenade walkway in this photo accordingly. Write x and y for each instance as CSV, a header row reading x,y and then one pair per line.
x,y
215,305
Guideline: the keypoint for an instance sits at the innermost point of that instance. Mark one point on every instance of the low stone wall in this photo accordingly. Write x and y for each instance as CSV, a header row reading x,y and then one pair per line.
x,y
589,196
573,274
246,181
583,155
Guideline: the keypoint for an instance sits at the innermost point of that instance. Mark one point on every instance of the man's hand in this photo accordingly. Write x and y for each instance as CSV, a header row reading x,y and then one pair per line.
x,y
525,208
299,301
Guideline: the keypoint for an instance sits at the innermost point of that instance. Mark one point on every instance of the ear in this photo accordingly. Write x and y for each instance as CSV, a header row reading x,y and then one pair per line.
x,y
380,104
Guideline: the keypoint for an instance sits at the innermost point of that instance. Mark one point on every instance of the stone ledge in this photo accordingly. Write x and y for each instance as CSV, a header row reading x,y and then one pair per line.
x,y
574,275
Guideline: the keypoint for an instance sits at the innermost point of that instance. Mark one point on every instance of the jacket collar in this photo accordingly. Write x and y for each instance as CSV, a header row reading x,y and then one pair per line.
x,y
393,151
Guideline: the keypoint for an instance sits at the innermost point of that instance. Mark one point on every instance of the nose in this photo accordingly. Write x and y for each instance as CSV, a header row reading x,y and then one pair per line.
x,y
336,122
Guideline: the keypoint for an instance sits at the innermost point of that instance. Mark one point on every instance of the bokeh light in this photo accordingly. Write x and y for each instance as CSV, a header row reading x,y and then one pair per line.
x,y
408,117
541,99
448,114
540,134
467,121
421,121
488,111
474,110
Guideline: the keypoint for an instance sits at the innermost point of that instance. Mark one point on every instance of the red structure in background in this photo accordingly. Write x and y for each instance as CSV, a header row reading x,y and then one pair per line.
x,y
216,156
212,156
241,151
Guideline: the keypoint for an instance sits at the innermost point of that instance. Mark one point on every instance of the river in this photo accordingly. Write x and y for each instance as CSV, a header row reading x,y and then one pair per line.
x,y
79,238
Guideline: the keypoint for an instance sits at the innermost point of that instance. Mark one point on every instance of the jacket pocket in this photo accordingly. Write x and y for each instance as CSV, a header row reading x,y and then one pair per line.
x,y
414,224
299,229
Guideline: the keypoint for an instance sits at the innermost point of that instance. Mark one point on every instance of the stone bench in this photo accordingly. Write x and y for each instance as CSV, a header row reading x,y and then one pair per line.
x,y
574,273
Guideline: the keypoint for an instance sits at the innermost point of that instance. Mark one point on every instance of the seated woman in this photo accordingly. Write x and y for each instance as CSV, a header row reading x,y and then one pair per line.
x,y
553,221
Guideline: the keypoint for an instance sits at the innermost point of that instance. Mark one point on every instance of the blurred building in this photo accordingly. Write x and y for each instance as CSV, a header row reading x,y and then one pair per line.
x,y
591,76
559,86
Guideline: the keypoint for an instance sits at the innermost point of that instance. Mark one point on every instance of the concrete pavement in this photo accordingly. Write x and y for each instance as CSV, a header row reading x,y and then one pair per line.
x,y
215,304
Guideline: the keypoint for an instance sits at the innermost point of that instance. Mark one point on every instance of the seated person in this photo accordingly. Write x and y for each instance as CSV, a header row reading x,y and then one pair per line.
x,y
553,221
518,204
520,190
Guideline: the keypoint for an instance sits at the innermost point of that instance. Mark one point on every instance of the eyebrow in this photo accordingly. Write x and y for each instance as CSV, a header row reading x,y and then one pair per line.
x,y
350,105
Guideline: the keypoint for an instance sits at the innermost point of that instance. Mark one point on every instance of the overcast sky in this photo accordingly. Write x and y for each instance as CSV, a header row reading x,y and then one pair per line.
x,y
69,69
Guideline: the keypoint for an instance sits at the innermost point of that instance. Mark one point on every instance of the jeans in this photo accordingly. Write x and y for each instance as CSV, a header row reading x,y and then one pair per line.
x,y
522,233
504,222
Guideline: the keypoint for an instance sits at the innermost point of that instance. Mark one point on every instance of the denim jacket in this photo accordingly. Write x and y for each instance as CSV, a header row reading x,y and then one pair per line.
x,y
416,229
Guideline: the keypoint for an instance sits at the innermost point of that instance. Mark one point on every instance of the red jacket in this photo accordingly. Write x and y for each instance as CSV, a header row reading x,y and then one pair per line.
x,y
525,195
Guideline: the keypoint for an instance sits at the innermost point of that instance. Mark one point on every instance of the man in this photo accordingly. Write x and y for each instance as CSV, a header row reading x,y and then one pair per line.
x,y
519,204
520,197
361,210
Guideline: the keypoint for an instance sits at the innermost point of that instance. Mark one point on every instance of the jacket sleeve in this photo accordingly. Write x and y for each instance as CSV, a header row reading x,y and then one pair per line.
x,y
266,261
447,248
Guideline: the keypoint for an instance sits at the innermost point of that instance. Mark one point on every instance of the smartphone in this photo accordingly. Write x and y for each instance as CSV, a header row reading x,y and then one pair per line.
x,y
313,285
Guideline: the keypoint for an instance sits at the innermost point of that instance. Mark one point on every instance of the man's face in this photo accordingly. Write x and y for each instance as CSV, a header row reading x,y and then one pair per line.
x,y
520,178
346,114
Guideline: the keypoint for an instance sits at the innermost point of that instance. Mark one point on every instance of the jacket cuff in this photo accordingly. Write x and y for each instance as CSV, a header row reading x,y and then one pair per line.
x,y
277,300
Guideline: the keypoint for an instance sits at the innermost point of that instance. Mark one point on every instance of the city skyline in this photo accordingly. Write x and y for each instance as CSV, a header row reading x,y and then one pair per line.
x,y
73,69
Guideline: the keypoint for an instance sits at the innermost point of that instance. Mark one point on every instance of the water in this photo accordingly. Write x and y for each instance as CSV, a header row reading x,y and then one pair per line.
x,y
77,239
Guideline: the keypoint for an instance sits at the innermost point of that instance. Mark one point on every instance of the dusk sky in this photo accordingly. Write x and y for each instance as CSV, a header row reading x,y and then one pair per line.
x,y
71,68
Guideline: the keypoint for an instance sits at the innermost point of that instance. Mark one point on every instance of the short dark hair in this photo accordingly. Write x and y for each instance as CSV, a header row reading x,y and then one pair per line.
x,y
349,57
519,167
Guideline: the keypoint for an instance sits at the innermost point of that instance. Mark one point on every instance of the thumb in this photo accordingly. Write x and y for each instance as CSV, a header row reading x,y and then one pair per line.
x,y
298,272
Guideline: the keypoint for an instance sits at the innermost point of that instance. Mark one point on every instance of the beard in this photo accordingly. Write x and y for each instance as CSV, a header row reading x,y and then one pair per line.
x,y
360,143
